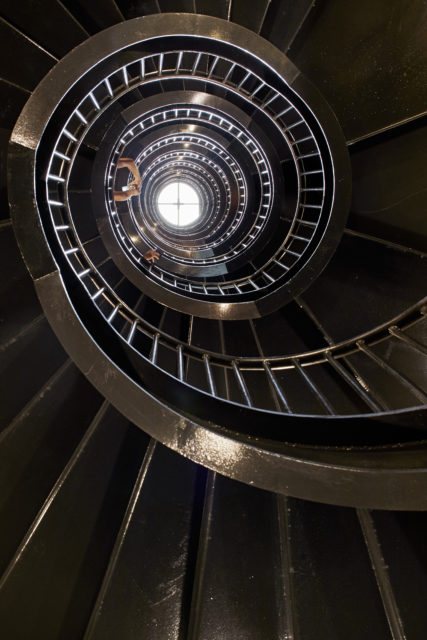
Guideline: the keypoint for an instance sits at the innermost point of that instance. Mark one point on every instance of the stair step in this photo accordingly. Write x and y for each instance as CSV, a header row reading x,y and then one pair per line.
x,y
30,66
25,366
253,19
51,583
365,284
19,305
334,586
402,538
400,383
283,22
175,6
47,22
95,15
35,447
388,191
238,592
149,576
13,99
137,8
217,8
329,52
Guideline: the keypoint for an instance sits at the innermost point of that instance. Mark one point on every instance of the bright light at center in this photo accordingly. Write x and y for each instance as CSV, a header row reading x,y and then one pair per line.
x,y
179,204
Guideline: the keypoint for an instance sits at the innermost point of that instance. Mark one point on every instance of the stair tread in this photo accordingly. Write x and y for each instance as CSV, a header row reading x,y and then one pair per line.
x,y
332,575
148,578
47,22
35,447
137,8
217,8
237,592
55,576
27,355
19,305
32,64
363,61
253,19
95,15
402,539
283,22
365,276
389,186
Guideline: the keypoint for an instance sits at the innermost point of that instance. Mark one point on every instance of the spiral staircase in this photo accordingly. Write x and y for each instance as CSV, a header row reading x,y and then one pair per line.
x,y
229,443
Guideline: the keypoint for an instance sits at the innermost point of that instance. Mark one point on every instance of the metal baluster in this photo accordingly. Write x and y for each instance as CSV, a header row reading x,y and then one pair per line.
x,y
222,341
211,70
242,384
98,293
161,60
189,339
281,265
418,393
132,332
273,382
178,64
397,333
209,376
259,87
240,85
125,76
302,140
69,135
295,124
270,100
352,382
154,348
196,63
230,71
82,118
308,155
84,273
319,395
109,88
94,101
357,382
113,314
282,113
180,362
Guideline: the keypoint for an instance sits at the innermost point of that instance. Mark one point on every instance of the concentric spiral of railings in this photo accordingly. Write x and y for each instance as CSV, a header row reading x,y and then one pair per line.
x,y
232,117
292,209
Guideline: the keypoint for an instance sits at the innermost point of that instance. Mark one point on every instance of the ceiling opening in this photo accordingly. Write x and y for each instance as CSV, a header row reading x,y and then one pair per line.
x,y
179,204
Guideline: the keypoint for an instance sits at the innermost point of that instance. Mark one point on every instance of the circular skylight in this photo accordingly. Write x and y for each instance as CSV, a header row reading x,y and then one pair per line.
x,y
179,204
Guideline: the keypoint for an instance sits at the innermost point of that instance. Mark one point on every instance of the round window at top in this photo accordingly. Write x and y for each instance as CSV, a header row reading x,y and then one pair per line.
x,y
179,204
